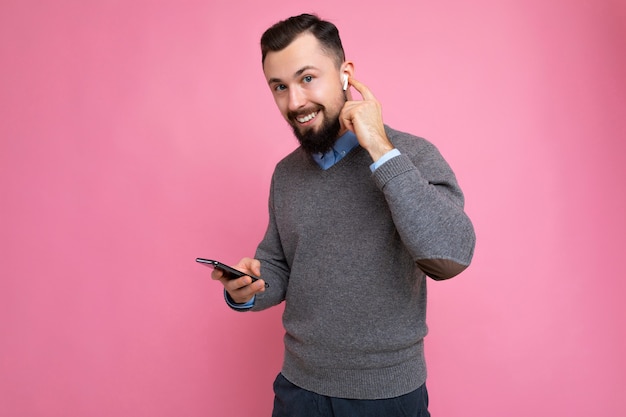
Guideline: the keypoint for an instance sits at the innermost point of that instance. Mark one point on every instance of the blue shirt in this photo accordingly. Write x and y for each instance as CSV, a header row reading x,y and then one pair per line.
x,y
341,148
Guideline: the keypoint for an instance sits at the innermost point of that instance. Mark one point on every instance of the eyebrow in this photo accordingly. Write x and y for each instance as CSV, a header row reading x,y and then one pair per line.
x,y
295,75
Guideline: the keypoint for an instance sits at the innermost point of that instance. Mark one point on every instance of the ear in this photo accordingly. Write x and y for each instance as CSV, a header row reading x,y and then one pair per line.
x,y
347,68
346,71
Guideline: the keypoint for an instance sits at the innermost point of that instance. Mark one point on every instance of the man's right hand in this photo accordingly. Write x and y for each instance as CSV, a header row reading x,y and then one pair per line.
x,y
241,290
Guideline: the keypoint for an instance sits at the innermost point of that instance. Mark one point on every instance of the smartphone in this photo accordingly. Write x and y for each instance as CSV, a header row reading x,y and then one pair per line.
x,y
230,273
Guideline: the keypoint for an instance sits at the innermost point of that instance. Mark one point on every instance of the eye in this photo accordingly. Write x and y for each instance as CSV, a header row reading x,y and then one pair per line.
x,y
280,87
307,79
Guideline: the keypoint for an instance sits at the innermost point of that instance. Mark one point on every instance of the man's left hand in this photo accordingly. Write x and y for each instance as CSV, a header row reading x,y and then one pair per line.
x,y
364,118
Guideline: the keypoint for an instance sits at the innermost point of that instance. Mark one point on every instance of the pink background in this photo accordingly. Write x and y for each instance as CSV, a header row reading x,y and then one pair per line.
x,y
138,135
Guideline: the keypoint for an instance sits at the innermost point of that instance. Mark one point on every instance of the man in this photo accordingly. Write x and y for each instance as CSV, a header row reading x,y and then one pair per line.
x,y
359,215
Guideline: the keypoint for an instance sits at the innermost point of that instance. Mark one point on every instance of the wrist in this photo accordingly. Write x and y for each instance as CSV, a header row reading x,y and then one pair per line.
x,y
377,152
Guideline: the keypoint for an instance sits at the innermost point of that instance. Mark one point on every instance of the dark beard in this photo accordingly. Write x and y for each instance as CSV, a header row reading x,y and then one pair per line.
x,y
318,141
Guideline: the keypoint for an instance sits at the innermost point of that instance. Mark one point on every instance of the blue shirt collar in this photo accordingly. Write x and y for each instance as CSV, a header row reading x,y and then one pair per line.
x,y
344,144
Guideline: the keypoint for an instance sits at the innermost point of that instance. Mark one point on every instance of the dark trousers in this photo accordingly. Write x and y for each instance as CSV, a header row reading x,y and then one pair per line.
x,y
293,401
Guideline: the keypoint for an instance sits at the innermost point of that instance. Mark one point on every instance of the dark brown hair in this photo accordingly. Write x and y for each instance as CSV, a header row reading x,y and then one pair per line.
x,y
281,34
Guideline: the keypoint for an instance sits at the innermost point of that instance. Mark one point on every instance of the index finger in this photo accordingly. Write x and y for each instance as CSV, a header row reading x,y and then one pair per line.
x,y
217,274
362,89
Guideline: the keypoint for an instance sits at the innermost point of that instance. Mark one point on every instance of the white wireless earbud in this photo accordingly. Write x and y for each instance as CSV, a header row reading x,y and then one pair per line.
x,y
345,82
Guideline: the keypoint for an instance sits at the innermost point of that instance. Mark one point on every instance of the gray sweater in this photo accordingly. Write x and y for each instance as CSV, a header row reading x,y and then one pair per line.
x,y
348,251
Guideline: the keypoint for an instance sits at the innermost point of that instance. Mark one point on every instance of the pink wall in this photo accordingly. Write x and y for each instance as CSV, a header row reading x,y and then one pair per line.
x,y
137,135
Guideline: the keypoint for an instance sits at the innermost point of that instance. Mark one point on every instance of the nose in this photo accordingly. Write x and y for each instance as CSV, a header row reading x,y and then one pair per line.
x,y
297,99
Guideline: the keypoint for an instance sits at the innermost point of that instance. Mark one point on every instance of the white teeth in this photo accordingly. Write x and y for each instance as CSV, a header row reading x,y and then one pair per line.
x,y
306,118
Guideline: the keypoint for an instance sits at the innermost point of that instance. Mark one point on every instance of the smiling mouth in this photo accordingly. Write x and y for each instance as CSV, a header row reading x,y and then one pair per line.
x,y
306,118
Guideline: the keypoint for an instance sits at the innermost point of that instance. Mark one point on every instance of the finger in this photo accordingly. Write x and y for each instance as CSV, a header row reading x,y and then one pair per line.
x,y
345,117
236,284
250,265
365,92
243,294
217,274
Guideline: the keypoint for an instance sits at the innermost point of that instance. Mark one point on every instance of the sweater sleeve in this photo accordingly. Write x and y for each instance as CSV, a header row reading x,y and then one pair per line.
x,y
426,203
274,267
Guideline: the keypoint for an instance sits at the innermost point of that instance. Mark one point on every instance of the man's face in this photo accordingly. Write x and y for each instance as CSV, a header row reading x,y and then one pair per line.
x,y
306,86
